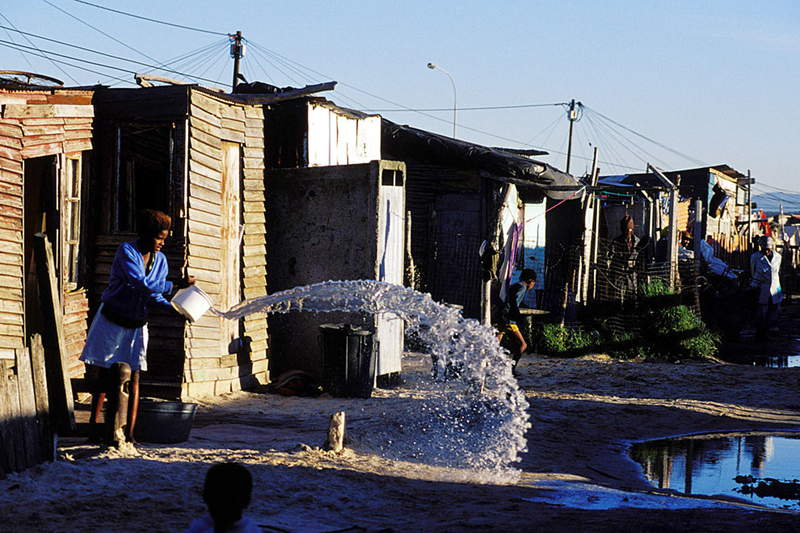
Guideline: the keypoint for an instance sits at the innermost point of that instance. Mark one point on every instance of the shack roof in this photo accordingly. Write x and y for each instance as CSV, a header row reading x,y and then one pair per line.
x,y
418,146
690,177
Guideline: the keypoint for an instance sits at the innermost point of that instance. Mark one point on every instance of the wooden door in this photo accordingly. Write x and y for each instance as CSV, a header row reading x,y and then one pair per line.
x,y
232,229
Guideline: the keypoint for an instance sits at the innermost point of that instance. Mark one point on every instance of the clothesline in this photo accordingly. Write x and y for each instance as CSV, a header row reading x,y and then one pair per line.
x,y
558,204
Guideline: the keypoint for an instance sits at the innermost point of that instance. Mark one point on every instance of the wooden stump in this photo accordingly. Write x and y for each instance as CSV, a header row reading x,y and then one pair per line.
x,y
335,440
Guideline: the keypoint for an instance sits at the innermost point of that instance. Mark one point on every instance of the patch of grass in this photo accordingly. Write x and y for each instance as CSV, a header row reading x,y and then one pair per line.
x,y
553,339
664,329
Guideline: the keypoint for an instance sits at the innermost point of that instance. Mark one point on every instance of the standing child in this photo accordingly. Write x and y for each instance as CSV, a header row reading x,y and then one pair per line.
x,y
226,492
510,315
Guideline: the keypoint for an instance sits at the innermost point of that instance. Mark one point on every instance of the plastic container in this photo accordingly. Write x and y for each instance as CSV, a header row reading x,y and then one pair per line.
x,y
163,422
191,302
348,361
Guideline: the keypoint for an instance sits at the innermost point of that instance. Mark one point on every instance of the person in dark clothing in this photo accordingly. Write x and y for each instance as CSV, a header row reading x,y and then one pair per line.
x,y
623,257
509,317
226,492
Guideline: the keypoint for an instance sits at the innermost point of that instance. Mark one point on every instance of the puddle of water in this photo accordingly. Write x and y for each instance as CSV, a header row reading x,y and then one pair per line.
x,y
759,467
785,361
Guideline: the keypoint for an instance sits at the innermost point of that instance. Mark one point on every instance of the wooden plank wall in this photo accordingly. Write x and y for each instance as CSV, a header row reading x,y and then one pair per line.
x,y
35,124
32,124
26,435
209,367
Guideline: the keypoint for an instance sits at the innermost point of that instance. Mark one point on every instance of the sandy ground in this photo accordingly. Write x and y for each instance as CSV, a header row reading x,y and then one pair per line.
x,y
576,475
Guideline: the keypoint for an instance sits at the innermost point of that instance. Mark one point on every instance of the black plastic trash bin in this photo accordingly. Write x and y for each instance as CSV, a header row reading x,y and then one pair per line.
x,y
348,361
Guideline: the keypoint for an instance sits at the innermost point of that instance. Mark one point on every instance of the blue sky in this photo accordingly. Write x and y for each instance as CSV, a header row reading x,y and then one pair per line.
x,y
677,84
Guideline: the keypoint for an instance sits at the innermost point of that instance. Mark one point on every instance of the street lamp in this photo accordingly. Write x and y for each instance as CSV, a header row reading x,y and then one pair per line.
x,y
455,96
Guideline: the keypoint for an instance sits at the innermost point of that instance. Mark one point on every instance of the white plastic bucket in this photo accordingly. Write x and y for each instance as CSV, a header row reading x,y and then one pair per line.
x,y
191,302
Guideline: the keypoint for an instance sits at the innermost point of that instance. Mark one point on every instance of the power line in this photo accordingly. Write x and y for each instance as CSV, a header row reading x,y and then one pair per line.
x,y
483,108
689,158
29,41
181,26
11,44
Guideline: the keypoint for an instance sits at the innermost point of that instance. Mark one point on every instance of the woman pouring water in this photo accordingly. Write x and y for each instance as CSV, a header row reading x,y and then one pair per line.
x,y
137,284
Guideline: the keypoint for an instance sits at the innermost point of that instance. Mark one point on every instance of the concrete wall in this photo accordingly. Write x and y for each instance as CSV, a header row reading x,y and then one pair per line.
x,y
322,225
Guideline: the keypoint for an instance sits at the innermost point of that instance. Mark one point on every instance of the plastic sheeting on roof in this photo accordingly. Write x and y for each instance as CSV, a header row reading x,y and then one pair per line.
x,y
410,144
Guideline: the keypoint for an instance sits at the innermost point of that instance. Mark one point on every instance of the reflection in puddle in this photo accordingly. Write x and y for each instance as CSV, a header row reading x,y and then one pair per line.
x,y
761,467
783,361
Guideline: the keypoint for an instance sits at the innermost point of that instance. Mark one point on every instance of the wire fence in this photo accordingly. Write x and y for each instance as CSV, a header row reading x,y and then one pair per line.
x,y
614,287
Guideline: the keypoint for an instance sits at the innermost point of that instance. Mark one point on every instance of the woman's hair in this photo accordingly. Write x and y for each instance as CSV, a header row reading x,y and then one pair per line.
x,y
152,222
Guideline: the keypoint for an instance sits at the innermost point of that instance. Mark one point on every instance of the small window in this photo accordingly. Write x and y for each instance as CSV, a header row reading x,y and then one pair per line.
x,y
144,171
71,227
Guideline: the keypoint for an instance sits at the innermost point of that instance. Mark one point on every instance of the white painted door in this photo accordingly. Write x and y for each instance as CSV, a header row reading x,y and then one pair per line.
x,y
391,235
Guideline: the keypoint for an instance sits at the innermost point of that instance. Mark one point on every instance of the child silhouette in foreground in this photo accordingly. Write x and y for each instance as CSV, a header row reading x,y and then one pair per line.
x,y
226,492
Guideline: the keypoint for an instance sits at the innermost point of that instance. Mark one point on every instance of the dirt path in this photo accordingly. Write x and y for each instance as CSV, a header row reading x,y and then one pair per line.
x,y
584,412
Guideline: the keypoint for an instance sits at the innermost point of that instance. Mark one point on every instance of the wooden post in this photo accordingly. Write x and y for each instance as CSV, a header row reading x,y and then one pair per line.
x,y
588,232
335,442
59,386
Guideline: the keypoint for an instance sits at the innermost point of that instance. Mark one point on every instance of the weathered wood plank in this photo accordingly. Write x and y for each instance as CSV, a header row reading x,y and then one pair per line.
x,y
8,438
208,177
203,229
197,190
254,229
41,150
78,145
13,164
207,138
210,117
255,271
254,111
253,179
233,112
254,153
11,178
10,153
58,381
254,218
255,142
253,162
232,135
42,398
254,207
27,409
205,241
10,143
205,217
11,129
209,265
47,111
200,204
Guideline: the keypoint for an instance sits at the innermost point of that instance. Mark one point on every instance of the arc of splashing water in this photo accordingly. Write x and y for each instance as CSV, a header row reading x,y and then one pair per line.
x,y
451,337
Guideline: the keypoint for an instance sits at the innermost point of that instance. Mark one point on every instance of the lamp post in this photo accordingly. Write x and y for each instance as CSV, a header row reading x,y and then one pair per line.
x,y
455,96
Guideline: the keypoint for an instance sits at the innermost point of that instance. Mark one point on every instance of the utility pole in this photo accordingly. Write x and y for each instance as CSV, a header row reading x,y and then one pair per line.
x,y
572,116
237,52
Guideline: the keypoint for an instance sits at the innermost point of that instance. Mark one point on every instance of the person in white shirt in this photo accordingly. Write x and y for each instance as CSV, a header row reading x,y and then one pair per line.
x,y
765,269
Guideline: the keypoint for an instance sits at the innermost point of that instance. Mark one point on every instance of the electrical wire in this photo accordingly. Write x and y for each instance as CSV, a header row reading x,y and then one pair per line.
x,y
696,161
181,26
11,44
14,28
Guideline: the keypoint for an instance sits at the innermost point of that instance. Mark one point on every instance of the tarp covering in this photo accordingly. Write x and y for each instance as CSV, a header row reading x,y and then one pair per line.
x,y
405,143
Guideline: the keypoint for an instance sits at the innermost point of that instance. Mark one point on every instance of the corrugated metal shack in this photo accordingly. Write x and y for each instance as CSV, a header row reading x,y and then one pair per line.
x,y
45,142
198,155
